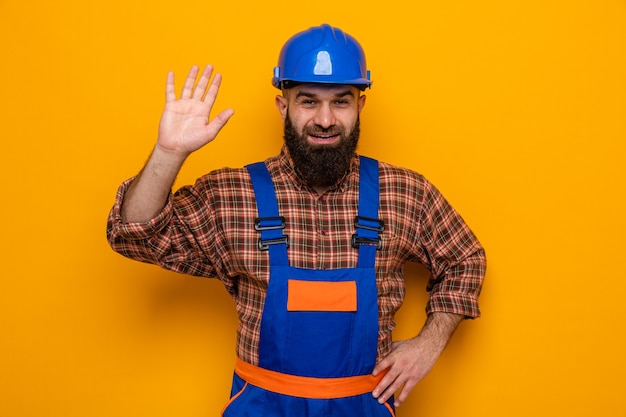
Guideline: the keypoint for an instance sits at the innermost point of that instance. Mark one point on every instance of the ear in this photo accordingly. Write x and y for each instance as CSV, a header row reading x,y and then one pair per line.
x,y
281,104
361,102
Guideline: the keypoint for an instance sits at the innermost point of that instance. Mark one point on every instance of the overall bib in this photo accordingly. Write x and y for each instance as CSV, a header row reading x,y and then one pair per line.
x,y
319,328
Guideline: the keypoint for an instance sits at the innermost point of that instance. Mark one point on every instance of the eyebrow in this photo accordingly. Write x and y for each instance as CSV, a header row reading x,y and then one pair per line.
x,y
342,93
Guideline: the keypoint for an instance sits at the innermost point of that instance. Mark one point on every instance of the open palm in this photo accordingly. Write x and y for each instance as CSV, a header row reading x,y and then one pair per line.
x,y
185,125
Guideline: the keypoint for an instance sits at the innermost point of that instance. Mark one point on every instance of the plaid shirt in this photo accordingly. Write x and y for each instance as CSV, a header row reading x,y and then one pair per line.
x,y
208,230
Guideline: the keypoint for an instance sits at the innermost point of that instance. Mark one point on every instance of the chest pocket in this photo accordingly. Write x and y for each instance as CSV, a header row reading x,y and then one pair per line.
x,y
305,295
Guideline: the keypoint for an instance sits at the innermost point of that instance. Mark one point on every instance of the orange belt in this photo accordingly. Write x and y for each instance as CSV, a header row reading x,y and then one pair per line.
x,y
306,387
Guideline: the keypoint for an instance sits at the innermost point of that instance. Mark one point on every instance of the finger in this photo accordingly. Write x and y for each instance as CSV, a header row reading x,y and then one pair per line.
x,y
404,394
214,88
391,388
386,363
189,82
381,366
203,82
384,383
218,122
170,93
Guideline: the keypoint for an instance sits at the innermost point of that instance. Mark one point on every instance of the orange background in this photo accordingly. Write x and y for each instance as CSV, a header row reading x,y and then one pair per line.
x,y
515,110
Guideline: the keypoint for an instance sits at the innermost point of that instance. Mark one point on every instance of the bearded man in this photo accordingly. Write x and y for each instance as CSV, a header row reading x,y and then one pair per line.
x,y
310,243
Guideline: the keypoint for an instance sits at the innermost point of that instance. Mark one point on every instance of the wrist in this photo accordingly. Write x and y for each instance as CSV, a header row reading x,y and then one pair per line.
x,y
168,157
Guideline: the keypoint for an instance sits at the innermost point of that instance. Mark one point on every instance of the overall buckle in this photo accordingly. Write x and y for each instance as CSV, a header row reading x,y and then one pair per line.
x,y
358,241
264,244
371,224
270,223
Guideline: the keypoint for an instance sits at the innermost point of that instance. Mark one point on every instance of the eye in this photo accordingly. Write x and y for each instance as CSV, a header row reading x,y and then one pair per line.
x,y
307,102
342,102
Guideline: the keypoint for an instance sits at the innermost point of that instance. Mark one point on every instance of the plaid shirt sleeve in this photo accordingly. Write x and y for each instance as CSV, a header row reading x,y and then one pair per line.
x,y
426,229
169,240
453,254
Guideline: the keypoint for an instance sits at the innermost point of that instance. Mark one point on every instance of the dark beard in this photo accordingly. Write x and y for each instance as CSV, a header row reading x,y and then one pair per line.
x,y
321,166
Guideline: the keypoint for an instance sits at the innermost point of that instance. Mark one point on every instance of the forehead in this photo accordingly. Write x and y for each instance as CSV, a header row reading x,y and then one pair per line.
x,y
323,90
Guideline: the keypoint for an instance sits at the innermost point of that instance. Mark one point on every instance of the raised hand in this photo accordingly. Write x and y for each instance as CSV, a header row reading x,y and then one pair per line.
x,y
185,125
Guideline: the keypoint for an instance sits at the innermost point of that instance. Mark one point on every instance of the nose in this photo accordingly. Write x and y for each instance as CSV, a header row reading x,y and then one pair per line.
x,y
325,117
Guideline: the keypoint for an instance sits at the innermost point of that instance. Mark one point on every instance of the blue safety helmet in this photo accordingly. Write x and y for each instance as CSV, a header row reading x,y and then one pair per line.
x,y
322,54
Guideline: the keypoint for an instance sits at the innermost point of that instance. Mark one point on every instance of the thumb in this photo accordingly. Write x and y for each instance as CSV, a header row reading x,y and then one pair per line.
x,y
219,122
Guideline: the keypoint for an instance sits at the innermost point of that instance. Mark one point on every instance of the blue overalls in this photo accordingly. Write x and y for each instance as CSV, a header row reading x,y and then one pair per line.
x,y
319,328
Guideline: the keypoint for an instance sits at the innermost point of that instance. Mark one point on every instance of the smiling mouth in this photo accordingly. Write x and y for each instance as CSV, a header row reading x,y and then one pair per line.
x,y
323,138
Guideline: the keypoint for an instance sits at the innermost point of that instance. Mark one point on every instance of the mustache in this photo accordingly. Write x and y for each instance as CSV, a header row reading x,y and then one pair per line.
x,y
318,130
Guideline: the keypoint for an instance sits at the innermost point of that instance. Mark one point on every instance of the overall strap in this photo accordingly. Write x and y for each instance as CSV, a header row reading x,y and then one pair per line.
x,y
367,224
269,222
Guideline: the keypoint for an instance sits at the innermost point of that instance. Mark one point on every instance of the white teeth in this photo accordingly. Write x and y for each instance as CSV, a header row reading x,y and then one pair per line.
x,y
323,138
